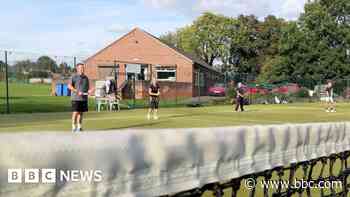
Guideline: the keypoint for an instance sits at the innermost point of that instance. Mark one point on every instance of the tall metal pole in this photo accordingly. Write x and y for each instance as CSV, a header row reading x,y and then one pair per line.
x,y
75,62
7,85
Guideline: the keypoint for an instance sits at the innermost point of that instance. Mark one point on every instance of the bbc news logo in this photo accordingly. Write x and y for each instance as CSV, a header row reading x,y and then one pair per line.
x,y
52,176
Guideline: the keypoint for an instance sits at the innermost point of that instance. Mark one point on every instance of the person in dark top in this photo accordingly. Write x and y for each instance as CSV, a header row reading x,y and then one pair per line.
x,y
329,97
154,92
80,89
239,97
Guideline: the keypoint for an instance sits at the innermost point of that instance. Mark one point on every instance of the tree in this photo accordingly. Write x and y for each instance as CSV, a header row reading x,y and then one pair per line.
x,y
210,38
205,38
170,38
182,38
314,48
45,63
23,68
64,68
270,31
244,46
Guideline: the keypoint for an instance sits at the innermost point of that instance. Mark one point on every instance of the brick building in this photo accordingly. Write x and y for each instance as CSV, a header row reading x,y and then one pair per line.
x,y
139,56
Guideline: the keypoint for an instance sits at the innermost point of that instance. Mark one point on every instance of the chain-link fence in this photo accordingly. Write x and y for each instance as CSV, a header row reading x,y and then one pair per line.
x,y
133,82
3,101
286,91
39,83
31,81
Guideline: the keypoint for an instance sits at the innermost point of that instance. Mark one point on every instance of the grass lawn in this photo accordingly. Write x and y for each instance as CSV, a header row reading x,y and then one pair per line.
x,y
211,116
35,98
185,117
27,98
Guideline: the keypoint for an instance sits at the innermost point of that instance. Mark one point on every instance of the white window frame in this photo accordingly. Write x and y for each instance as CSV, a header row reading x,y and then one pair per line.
x,y
168,70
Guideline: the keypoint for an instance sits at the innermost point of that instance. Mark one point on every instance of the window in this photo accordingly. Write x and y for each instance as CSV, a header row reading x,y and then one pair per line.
x,y
199,79
139,71
166,74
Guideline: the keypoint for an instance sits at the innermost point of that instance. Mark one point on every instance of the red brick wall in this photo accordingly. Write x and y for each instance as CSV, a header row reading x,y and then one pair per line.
x,y
168,90
140,47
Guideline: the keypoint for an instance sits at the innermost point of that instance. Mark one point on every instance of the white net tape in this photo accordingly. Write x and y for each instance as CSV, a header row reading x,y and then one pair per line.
x,y
159,162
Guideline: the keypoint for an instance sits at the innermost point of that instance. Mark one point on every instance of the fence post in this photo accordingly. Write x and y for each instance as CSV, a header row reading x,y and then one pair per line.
x,y
199,86
75,62
346,90
116,73
176,85
134,90
7,85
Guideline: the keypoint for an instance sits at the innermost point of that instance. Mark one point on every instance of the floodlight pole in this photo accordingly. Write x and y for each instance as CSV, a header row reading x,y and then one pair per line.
x,y
7,85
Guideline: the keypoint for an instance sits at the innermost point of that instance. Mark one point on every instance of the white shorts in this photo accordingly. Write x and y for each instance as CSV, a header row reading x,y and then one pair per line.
x,y
329,99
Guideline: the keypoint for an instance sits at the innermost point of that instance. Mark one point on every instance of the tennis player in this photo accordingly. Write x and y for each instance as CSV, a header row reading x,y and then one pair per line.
x,y
154,92
80,89
239,98
330,107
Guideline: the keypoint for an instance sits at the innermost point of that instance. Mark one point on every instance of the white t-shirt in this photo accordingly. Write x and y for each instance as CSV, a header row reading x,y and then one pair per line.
x,y
108,85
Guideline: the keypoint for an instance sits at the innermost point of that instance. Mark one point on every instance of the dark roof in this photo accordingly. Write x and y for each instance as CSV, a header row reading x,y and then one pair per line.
x,y
193,58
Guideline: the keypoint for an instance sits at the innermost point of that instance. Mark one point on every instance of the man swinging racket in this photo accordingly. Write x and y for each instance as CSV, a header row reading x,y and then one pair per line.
x,y
239,97
80,89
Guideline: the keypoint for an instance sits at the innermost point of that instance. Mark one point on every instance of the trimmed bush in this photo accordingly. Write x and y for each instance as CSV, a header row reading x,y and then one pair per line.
x,y
302,93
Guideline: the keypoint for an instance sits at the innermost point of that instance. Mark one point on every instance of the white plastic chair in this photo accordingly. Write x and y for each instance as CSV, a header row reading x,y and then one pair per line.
x,y
101,103
114,104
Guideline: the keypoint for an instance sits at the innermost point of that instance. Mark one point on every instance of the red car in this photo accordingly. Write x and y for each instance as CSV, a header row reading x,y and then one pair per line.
x,y
218,89
285,89
257,90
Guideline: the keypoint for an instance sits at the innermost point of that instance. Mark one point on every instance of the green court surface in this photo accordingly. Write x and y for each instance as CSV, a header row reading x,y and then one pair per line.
x,y
185,117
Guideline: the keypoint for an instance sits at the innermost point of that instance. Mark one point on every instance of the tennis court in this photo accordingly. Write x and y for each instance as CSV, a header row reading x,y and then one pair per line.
x,y
185,117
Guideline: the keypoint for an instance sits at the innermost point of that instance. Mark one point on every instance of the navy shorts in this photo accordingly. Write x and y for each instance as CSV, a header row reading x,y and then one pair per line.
x,y
154,102
79,106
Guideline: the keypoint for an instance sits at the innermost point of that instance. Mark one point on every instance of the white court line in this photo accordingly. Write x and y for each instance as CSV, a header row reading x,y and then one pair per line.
x,y
168,116
237,120
40,124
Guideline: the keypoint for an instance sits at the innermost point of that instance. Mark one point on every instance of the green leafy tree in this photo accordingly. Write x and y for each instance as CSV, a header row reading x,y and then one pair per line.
x,y
64,68
244,48
182,39
23,69
315,48
171,38
45,63
205,38
210,36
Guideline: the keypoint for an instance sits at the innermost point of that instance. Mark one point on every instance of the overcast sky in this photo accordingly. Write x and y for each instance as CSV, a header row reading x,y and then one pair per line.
x,y
81,27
